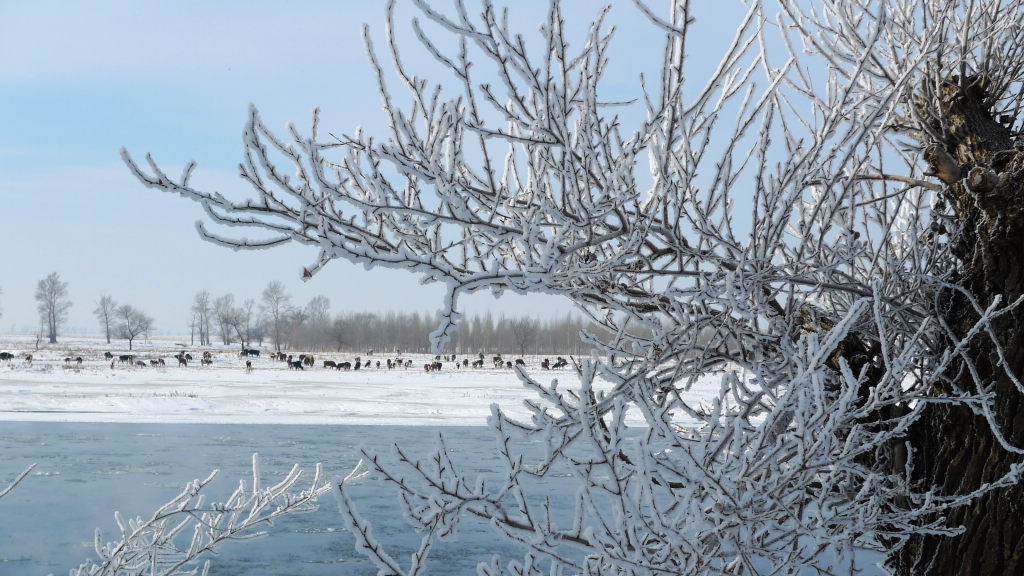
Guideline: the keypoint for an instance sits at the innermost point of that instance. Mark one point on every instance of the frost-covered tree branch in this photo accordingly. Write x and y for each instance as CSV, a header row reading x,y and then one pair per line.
x,y
17,480
187,528
789,223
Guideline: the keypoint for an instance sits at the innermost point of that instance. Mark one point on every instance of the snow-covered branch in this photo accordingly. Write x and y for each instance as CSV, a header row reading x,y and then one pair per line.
x,y
178,535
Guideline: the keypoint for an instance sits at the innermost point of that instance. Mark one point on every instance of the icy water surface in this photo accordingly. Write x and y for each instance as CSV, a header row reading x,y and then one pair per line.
x,y
86,471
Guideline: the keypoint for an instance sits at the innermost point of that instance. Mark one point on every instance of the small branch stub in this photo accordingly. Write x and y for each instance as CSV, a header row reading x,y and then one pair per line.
x,y
942,164
982,180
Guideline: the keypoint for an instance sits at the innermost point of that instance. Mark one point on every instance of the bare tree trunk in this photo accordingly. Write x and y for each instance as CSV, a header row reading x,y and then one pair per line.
x,y
955,448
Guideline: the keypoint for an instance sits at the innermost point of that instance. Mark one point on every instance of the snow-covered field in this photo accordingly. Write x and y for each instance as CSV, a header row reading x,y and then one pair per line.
x,y
50,389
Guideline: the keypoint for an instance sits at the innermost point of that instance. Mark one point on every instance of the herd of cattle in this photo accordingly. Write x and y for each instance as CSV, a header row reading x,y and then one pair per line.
x,y
303,361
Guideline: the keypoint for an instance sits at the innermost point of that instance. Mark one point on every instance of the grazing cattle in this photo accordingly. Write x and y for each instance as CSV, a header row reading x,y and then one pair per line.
x,y
390,364
508,364
207,355
188,357
378,364
357,365
545,364
78,360
154,363
250,352
206,362
308,360
248,365
344,366
330,364
28,359
560,363
296,365
408,364
182,361
125,359
8,356
140,363
161,362
108,356
478,363
520,362
432,367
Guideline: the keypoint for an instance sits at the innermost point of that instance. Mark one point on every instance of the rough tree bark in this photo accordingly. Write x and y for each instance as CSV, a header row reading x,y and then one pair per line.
x,y
954,447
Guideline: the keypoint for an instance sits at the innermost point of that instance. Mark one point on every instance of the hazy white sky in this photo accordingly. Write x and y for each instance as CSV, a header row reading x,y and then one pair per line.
x,y
78,80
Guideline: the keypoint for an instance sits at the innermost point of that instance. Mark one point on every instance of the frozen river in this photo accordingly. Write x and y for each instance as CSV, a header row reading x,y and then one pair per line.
x,y
85,471
108,436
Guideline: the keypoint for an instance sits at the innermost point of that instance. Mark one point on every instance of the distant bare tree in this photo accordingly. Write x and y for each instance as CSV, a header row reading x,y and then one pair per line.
x,y
524,333
248,322
319,309
311,324
297,318
201,312
275,305
104,312
226,315
337,333
53,304
131,322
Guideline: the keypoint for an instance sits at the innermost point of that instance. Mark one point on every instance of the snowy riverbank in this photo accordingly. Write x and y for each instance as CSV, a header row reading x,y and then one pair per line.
x,y
99,390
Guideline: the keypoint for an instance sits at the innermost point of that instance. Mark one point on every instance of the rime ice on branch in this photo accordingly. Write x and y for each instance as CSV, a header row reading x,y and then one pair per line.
x,y
823,318
181,533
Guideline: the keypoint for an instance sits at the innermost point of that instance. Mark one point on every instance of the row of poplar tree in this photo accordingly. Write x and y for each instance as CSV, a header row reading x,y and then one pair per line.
x,y
273,321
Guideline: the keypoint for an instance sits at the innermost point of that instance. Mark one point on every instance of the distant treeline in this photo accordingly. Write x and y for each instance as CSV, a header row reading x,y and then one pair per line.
x,y
275,323
409,332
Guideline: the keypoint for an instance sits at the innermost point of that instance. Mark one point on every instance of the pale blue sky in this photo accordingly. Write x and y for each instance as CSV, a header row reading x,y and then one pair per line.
x,y
78,80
